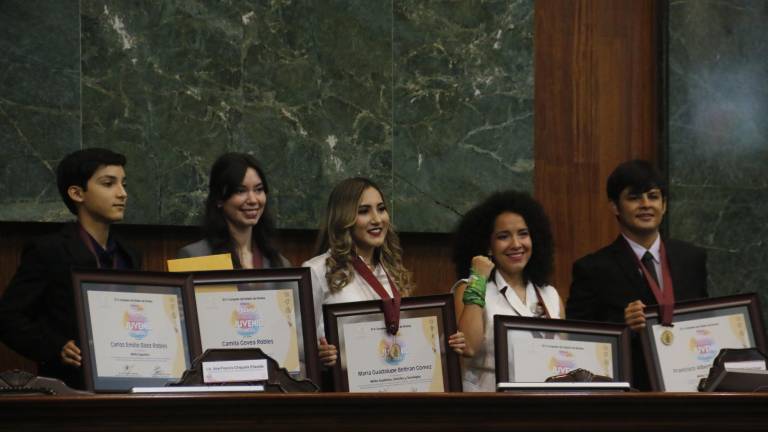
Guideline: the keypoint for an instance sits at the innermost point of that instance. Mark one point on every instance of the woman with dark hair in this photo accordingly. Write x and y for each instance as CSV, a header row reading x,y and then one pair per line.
x,y
236,219
359,252
503,256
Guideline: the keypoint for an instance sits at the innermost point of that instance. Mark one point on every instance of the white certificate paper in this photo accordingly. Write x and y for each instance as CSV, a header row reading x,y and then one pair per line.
x,y
536,359
136,335
408,362
691,347
264,319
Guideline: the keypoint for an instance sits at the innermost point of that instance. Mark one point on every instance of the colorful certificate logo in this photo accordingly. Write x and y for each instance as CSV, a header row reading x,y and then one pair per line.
x,y
703,345
392,351
246,320
562,362
136,322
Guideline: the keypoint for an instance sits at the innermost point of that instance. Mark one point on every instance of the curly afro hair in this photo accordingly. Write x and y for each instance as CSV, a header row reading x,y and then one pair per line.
x,y
473,234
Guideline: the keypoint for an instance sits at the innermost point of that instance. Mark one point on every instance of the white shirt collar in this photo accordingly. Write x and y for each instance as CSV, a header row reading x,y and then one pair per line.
x,y
515,302
501,284
640,250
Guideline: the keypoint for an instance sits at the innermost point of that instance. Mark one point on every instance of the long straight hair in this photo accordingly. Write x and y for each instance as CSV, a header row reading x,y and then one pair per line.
x,y
227,175
336,237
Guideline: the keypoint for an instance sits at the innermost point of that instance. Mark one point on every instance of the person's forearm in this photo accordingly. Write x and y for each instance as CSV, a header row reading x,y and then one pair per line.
x,y
472,325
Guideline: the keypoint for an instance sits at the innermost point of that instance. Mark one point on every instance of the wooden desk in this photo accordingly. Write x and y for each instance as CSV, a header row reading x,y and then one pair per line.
x,y
389,412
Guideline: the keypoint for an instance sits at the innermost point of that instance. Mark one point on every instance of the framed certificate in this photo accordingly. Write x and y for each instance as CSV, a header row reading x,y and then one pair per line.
x,y
530,350
416,359
134,328
677,357
270,309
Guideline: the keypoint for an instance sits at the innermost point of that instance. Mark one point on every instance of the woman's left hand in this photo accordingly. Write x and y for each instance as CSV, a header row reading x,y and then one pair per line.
x,y
457,342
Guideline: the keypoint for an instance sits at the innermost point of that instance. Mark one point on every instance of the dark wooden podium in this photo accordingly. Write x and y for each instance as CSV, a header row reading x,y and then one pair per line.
x,y
389,412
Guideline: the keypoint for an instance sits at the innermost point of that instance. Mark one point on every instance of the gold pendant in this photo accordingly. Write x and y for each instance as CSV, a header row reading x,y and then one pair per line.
x,y
393,353
667,337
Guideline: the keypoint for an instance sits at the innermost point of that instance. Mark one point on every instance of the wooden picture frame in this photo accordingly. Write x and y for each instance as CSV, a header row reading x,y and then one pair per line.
x,y
135,328
678,356
275,306
564,343
417,359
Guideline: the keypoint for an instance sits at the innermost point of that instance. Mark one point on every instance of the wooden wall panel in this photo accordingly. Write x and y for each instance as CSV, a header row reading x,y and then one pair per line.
x,y
595,105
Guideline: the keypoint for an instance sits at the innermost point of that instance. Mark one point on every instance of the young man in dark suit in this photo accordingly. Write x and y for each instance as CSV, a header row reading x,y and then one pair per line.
x,y
639,268
37,310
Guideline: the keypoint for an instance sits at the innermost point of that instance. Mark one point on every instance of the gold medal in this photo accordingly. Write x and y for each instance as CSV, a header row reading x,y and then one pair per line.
x,y
394,352
667,337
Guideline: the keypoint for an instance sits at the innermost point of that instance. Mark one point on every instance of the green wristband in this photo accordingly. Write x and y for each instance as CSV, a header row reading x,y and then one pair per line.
x,y
475,291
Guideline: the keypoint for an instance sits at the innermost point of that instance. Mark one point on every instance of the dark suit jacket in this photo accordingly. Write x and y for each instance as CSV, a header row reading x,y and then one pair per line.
x,y
37,310
604,283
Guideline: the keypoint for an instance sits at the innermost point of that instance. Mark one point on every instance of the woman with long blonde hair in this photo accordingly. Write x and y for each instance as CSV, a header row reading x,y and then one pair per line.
x,y
358,250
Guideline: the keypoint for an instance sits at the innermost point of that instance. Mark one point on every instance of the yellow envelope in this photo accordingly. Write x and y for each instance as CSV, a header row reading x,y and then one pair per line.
x,y
201,263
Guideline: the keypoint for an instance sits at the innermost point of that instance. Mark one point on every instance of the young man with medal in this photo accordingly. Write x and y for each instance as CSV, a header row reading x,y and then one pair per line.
x,y
37,310
639,268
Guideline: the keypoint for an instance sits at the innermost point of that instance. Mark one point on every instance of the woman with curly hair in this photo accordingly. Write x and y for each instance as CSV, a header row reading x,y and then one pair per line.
x,y
503,256
236,219
359,253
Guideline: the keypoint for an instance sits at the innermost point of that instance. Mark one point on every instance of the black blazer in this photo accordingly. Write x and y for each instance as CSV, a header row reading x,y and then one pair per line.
x,y
604,282
37,310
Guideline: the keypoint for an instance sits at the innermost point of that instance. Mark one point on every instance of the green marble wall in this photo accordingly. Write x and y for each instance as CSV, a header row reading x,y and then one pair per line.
x,y
433,100
718,145
463,106
39,104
